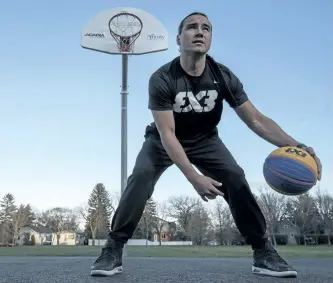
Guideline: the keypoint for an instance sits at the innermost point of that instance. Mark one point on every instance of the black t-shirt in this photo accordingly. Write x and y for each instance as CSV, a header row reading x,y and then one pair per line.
x,y
196,102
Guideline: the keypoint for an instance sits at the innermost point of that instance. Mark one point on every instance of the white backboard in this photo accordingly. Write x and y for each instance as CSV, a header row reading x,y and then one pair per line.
x,y
96,34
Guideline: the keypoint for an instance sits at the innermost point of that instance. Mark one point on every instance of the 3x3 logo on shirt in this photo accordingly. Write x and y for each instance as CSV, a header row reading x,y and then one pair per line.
x,y
204,101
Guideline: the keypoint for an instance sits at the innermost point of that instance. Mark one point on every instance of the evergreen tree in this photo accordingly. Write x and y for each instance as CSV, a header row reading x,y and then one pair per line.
x,y
144,228
20,217
7,207
30,215
99,208
150,208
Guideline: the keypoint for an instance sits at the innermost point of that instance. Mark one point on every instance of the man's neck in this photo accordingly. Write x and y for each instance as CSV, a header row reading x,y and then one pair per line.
x,y
194,65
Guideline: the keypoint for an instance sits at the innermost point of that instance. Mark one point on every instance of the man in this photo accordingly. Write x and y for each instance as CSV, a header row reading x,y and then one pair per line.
x,y
185,97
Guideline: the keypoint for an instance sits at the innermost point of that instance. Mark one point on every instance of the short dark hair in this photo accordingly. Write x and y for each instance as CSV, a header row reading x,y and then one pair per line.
x,y
217,69
181,25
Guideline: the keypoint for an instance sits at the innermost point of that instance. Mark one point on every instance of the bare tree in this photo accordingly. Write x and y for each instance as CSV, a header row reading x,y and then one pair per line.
x,y
147,224
160,222
60,219
304,214
224,222
92,218
273,207
19,219
200,223
115,199
218,217
181,208
324,203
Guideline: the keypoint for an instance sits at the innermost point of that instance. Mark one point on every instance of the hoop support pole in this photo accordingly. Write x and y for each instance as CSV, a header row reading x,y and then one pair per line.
x,y
124,94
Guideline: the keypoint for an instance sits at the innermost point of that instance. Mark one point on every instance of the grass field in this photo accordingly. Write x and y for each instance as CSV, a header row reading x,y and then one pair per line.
x,y
169,251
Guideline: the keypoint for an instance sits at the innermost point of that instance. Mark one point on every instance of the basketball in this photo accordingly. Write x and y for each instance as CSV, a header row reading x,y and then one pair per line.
x,y
290,171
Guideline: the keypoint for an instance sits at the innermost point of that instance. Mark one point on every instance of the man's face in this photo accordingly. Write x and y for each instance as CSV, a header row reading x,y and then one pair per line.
x,y
196,35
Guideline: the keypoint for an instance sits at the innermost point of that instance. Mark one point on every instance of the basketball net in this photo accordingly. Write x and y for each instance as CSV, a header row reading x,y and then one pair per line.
x,y
125,28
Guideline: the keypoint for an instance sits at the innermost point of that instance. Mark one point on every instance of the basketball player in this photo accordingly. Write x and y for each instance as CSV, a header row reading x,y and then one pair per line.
x,y
185,97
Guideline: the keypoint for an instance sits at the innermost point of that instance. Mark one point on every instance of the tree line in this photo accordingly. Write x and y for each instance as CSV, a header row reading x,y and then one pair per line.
x,y
182,218
13,217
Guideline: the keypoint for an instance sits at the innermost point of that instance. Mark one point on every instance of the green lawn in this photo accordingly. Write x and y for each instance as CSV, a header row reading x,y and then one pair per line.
x,y
168,251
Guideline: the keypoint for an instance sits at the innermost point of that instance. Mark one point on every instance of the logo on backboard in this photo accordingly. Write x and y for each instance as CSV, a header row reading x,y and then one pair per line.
x,y
95,35
153,36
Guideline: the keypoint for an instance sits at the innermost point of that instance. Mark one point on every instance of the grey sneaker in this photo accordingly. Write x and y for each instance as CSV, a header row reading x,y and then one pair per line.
x,y
266,261
110,260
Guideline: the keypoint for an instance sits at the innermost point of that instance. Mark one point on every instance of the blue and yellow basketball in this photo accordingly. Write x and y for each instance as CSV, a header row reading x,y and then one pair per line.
x,y
290,171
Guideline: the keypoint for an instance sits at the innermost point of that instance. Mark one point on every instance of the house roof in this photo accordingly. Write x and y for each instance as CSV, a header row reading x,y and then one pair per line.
x,y
41,229
169,222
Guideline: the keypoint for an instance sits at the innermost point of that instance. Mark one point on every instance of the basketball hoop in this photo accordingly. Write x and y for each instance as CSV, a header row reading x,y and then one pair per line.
x,y
125,28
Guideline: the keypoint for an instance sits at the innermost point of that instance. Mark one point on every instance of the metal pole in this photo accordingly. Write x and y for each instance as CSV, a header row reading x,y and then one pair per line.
x,y
124,94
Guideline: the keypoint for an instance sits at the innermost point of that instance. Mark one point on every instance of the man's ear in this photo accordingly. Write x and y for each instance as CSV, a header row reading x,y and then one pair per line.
x,y
178,40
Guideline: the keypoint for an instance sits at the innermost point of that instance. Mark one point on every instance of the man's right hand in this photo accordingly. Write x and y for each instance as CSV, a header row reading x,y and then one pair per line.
x,y
206,187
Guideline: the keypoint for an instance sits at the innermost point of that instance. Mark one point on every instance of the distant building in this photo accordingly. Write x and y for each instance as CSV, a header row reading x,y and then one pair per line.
x,y
167,231
286,228
45,236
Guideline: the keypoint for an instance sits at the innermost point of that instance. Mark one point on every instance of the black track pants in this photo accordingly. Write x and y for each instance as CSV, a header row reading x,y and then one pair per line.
x,y
214,160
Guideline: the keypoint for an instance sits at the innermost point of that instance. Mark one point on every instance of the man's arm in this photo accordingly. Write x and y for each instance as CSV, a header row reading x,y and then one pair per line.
x,y
263,126
267,129
166,126
160,104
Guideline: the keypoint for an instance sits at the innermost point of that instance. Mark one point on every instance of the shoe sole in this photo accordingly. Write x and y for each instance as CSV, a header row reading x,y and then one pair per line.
x,y
267,272
112,272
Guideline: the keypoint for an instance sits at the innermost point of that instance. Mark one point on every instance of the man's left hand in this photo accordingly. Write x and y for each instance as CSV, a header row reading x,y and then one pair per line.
x,y
313,154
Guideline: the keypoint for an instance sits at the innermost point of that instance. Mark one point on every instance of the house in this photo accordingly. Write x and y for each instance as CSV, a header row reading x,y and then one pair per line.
x,y
165,228
66,238
34,235
44,236
287,228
